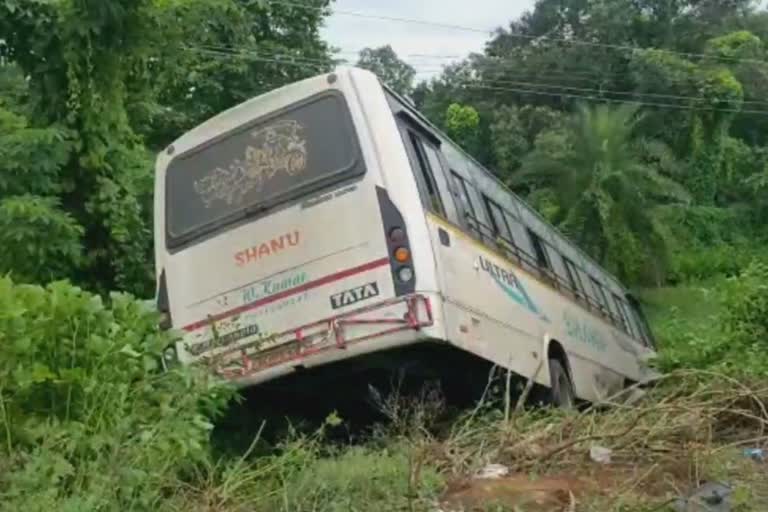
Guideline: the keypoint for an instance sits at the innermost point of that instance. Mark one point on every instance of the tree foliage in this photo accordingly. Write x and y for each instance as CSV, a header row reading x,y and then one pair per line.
x,y
223,53
94,88
90,90
390,69
605,194
462,123
693,70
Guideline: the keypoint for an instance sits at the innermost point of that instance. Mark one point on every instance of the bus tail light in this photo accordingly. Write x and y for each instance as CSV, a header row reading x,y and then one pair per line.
x,y
405,274
398,245
402,255
397,235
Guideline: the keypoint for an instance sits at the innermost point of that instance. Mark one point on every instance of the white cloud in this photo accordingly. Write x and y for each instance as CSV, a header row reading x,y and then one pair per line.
x,y
351,33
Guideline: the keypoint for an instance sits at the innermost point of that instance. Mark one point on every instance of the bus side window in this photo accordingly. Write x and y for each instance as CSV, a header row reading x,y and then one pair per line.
x,y
442,186
574,280
641,323
540,251
622,314
468,212
499,227
424,177
602,300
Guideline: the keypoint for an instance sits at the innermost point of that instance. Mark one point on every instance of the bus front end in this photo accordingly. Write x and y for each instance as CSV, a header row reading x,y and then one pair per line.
x,y
278,244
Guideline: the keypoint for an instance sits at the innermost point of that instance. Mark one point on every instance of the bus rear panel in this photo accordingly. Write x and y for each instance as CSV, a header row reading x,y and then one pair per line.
x,y
278,243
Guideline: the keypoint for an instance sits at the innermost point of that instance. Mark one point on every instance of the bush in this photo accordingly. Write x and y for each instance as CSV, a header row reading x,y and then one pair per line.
x,y
735,341
746,320
703,263
87,420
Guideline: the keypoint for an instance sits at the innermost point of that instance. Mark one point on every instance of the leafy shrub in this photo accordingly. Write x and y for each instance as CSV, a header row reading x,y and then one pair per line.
x,y
696,264
87,420
734,341
707,242
41,240
746,319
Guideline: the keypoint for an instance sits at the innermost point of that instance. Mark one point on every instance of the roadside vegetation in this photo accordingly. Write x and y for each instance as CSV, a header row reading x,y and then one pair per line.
x,y
93,425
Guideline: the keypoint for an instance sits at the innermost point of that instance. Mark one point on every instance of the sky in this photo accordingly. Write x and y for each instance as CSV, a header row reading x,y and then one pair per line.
x,y
411,41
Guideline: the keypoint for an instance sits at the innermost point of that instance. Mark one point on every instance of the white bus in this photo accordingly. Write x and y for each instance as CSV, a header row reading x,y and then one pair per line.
x,y
328,220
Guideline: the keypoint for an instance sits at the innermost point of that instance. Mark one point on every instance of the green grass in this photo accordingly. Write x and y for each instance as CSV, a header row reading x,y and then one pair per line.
x,y
695,308
306,475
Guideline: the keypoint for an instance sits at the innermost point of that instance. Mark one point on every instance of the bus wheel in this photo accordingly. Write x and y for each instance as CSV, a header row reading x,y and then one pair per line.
x,y
561,391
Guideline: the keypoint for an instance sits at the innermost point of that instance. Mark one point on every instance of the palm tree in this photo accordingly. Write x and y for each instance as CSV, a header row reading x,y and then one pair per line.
x,y
606,193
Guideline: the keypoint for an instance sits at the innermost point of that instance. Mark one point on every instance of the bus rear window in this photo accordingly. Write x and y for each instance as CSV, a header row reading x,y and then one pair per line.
x,y
277,158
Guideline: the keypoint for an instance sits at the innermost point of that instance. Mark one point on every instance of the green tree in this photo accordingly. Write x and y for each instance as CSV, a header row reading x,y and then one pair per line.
x,y
220,53
78,57
41,240
606,195
462,123
99,82
514,131
390,69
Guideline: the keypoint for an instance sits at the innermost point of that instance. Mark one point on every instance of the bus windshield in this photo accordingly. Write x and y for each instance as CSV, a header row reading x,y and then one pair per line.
x,y
287,154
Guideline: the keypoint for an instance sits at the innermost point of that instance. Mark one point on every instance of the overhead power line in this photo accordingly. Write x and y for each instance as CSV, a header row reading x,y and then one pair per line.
x,y
472,86
242,55
610,91
489,31
611,100
319,63
499,64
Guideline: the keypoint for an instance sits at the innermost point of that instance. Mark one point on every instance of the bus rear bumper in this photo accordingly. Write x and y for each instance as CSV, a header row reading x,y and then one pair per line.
x,y
389,324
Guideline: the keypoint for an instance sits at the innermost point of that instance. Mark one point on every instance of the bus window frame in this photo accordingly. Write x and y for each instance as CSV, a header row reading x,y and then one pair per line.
x,y
636,312
417,143
600,296
428,190
489,205
338,178
444,185
574,279
468,215
538,243
623,314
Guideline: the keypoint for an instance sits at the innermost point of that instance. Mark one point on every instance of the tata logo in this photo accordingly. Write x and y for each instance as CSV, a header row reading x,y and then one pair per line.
x,y
354,295
267,249
511,285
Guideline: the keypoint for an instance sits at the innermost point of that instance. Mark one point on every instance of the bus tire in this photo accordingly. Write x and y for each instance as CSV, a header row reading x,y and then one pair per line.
x,y
562,394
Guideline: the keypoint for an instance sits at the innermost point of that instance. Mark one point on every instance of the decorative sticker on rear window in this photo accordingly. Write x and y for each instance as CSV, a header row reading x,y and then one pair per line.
x,y
277,148
287,155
